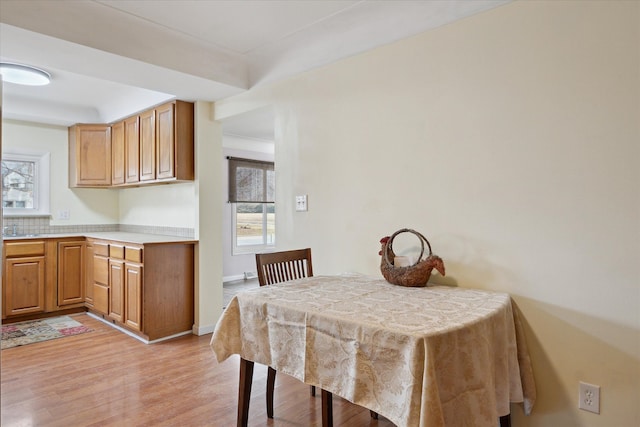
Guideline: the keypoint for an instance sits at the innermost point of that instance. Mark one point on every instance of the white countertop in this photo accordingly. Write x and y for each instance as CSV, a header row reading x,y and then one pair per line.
x,y
120,236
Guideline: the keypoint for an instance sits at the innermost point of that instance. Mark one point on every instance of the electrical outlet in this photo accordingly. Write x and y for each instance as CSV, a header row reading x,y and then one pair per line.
x,y
301,203
64,214
589,397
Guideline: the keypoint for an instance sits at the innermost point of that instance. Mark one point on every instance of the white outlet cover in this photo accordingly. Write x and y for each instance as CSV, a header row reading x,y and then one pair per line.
x,y
589,397
301,203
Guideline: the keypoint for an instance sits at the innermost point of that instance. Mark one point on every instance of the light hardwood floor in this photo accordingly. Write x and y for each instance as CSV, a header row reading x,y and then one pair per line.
x,y
106,378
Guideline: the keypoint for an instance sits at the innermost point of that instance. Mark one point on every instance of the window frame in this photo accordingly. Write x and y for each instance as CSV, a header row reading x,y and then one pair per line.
x,y
42,160
263,197
250,249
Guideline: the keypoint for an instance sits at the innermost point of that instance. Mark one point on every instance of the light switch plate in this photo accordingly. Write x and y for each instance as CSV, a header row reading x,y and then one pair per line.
x,y
301,203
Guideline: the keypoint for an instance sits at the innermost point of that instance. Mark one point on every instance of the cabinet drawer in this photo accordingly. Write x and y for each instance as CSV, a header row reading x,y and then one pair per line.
x,y
101,298
101,270
133,254
101,249
16,249
116,251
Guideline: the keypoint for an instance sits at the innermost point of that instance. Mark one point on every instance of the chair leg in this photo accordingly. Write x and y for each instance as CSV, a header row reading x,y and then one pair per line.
x,y
373,414
505,421
271,382
313,390
327,409
244,391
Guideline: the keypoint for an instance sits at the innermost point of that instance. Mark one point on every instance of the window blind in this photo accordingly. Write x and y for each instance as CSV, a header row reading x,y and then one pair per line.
x,y
251,181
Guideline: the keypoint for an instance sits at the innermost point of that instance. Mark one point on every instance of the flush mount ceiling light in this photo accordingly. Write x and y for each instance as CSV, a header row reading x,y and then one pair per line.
x,y
23,74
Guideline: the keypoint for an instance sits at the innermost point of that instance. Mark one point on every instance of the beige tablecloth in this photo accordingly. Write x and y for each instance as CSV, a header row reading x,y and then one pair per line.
x,y
424,357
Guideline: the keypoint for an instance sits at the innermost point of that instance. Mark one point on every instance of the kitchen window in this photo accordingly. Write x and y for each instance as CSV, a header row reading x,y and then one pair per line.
x,y
252,197
25,183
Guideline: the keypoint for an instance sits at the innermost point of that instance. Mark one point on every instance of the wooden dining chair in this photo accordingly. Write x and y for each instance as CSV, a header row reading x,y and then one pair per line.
x,y
278,267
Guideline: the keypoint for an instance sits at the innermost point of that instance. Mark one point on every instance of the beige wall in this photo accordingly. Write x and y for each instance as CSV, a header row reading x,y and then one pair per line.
x,y
171,205
86,206
511,139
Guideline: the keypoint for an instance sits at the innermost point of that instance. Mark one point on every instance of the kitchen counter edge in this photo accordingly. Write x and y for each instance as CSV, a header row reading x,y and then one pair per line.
x,y
118,236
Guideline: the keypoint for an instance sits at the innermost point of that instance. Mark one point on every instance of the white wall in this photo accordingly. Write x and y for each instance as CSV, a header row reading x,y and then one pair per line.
x,y
208,187
511,140
86,205
171,205
234,266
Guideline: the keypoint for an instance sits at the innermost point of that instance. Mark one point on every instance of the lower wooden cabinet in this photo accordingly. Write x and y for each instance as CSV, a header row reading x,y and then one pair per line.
x,y
116,290
43,276
147,289
71,286
88,274
24,285
133,296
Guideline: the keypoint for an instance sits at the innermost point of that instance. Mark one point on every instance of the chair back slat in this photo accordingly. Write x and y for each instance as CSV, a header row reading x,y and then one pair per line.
x,y
277,267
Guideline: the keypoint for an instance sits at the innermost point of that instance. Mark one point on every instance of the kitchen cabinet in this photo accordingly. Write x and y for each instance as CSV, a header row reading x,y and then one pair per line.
x,y
153,147
43,276
132,149
148,146
117,153
90,155
116,282
88,273
175,135
133,295
147,288
24,278
70,273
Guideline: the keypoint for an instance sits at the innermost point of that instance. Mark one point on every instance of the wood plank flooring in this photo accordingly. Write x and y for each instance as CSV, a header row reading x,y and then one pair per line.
x,y
106,378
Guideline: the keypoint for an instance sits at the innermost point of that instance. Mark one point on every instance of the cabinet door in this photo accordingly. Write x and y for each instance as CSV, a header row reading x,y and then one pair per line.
x,y
132,149
117,153
88,274
24,285
165,138
133,296
90,156
147,146
70,278
116,290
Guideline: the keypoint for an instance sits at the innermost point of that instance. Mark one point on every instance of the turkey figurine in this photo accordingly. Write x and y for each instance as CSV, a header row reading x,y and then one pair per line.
x,y
416,275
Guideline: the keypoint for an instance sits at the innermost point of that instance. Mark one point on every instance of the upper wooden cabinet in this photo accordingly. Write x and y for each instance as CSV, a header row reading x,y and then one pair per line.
x,y
174,136
155,146
117,153
90,156
132,149
148,146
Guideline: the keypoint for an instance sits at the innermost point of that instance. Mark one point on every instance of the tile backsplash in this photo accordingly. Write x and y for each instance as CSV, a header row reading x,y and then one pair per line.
x,y
41,225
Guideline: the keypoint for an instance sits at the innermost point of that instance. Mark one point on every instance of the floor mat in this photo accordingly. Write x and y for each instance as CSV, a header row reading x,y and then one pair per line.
x,y
33,331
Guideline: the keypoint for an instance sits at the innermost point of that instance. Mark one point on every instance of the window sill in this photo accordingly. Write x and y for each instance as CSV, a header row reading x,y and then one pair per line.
x,y
252,250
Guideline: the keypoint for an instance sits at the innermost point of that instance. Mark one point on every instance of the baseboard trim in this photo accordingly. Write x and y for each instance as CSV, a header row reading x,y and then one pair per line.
x,y
203,330
132,335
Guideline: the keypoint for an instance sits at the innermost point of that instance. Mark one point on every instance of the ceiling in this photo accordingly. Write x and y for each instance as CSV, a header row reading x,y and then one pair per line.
x,y
110,58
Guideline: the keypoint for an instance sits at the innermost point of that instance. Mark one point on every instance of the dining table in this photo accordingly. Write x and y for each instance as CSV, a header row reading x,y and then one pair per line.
x,y
428,356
